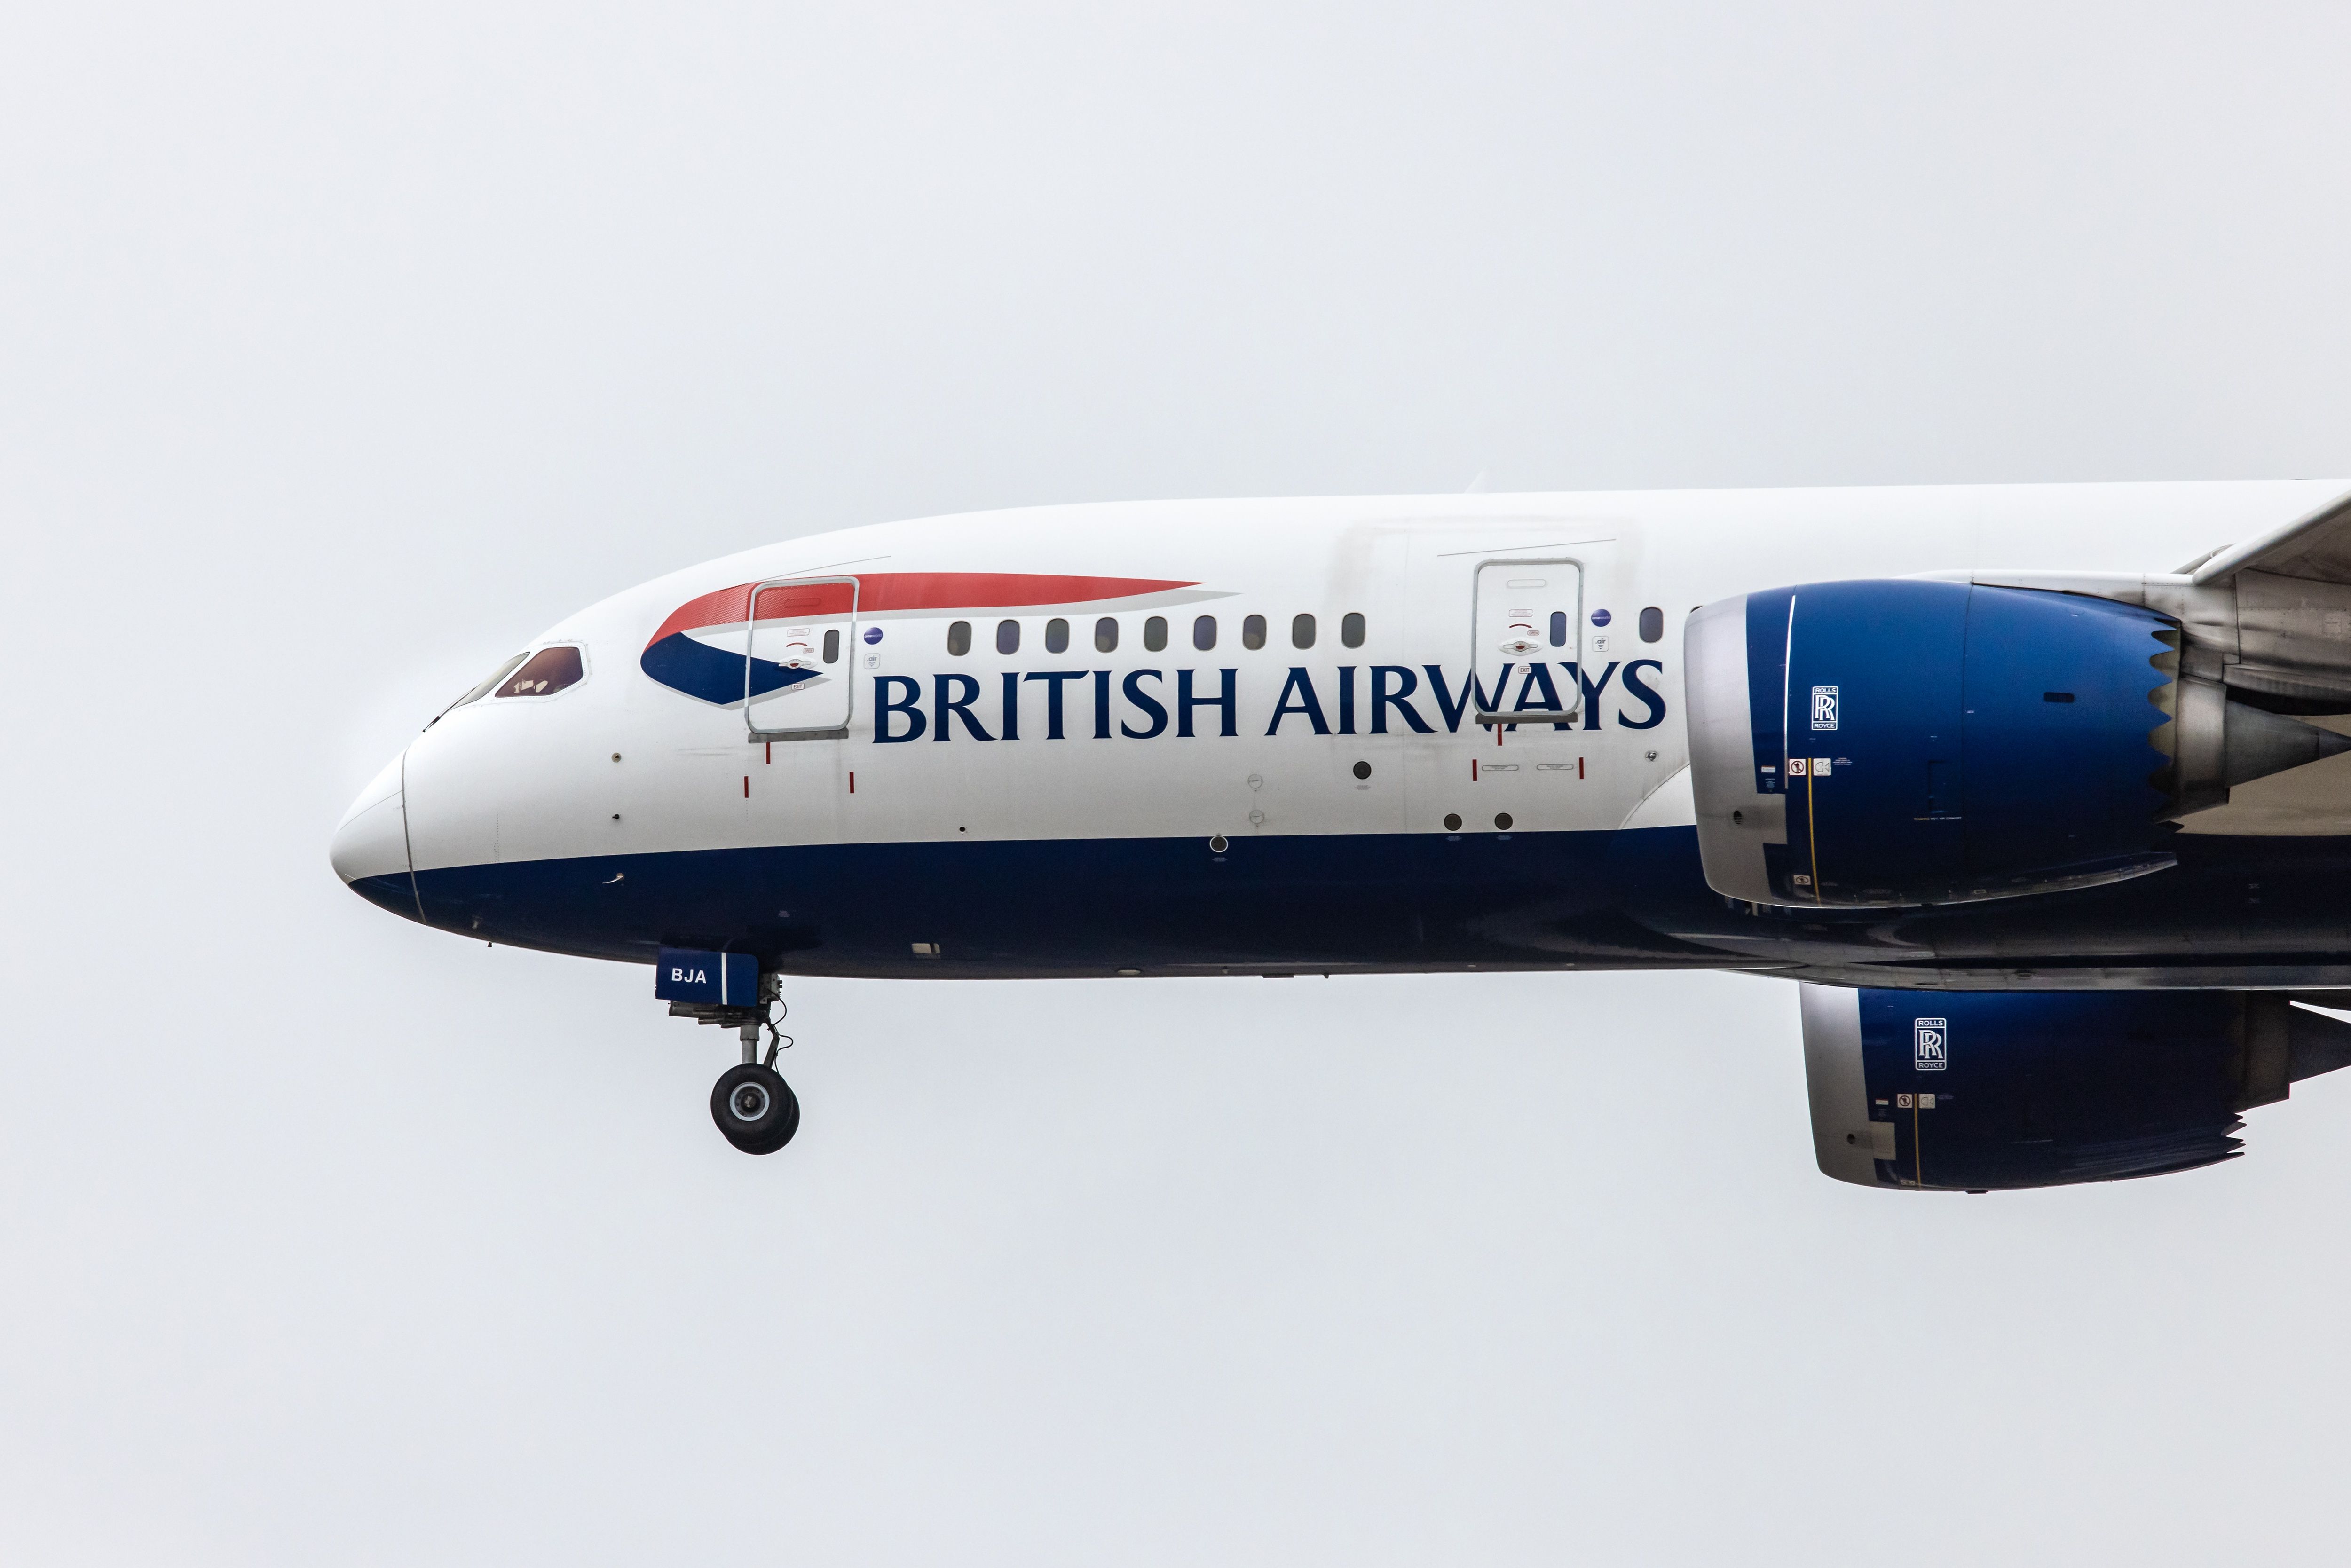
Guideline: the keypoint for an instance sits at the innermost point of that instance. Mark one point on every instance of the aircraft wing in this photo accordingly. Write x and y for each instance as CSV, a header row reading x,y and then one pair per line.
x,y
2315,548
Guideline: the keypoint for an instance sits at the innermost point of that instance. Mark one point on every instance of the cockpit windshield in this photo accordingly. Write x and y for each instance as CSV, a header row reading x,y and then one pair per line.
x,y
478,693
549,672
527,675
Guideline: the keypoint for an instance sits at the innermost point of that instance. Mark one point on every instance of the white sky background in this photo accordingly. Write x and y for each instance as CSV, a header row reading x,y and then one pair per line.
x,y
341,348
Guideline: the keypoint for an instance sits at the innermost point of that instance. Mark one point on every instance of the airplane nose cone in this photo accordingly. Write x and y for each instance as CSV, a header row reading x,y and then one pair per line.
x,y
372,840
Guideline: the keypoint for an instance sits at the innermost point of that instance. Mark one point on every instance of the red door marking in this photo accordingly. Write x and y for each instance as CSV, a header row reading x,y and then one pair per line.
x,y
747,786
852,780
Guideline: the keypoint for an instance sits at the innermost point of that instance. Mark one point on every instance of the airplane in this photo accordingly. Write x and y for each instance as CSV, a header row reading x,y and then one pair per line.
x,y
2034,791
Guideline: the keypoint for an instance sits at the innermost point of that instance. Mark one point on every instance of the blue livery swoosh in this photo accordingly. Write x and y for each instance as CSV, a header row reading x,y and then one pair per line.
x,y
715,675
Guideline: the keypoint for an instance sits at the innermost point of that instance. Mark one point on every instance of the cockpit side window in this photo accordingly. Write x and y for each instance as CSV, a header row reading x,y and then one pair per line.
x,y
547,671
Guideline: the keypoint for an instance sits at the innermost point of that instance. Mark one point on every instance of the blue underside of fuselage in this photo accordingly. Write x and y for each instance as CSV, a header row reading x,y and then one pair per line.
x,y
1093,906
2233,911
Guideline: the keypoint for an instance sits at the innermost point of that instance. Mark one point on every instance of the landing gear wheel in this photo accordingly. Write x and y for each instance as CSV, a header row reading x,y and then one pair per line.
x,y
755,1108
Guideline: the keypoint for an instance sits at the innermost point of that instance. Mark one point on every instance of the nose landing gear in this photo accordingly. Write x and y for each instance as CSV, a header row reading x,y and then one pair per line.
x,y
756,1109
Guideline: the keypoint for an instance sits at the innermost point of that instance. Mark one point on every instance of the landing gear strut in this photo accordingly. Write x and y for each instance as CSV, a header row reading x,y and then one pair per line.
x,y
756,1109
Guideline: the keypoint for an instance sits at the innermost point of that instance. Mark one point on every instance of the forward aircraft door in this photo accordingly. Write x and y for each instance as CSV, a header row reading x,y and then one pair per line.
x,y
1527,617
796,681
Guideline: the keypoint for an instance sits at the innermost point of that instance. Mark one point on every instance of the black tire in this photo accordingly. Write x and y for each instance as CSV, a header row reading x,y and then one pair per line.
x,y
756,1109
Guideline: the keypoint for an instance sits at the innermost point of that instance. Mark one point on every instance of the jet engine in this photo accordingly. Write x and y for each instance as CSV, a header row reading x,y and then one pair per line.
x,y
1971,1091
1898,743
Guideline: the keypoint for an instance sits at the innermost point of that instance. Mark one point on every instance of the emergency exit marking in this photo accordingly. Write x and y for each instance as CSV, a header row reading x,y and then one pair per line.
x,y
747,786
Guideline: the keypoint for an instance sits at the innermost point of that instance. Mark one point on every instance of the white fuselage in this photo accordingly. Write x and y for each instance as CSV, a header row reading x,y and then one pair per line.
x,y
1278,741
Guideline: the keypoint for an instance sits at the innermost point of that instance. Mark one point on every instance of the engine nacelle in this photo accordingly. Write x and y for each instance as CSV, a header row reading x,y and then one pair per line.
x,y
1970,1090
1898,743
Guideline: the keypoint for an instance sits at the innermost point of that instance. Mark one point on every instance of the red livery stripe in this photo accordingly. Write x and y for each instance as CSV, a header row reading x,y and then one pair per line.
x,y
879,590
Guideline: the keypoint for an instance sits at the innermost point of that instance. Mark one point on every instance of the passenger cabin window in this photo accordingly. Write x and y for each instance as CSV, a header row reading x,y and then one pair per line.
x,y
1203,633
1253,632
1008,636
1559,628
1301,630
548,671
1351,630
1652,624
833,646
959,638
1154,634
1057,636
1106,635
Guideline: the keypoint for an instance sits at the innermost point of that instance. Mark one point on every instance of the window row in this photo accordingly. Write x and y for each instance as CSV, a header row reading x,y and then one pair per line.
x,y
1652,626
1154,634
1203,633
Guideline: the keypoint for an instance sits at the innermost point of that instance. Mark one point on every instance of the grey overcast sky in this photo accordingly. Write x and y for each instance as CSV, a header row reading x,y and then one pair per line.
x,y
343,347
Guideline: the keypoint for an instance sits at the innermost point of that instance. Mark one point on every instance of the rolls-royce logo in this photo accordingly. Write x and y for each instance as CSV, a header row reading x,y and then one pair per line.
x,y
1824,706
1930,1045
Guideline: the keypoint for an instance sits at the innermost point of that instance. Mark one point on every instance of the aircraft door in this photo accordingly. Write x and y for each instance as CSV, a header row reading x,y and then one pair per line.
x,y
796,681
1527,618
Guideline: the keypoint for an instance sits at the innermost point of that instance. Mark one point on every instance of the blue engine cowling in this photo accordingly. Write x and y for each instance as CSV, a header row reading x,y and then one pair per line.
x,y
1973,1091
1892,744
1877,744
